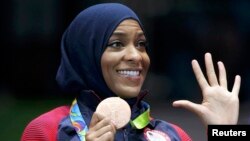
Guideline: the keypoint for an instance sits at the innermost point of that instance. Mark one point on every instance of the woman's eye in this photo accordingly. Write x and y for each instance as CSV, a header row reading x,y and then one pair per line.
x,y
142,44
115,44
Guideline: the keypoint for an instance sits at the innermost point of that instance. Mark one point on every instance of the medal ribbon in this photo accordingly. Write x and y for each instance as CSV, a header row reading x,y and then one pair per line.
x,y
143,119
78,121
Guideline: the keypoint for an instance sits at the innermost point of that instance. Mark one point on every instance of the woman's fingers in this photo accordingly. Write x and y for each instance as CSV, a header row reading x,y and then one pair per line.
x,y
100,126
222,75
190,106
199,75
95,119
211,75
105,129
236,86
108,136
212,78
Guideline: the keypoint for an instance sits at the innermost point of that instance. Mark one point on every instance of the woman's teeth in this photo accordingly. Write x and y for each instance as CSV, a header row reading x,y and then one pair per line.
x,y
129,72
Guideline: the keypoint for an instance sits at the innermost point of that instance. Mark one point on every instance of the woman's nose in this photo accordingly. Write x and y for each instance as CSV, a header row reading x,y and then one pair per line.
x,y
132,54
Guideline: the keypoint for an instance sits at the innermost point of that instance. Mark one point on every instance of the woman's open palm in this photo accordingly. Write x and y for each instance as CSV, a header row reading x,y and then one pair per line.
x,y
219,105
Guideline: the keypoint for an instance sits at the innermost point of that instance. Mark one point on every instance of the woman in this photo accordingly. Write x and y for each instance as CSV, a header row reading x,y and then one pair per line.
x,y
104,54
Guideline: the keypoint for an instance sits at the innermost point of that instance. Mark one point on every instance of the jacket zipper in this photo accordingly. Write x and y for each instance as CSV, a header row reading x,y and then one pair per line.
x,y
125,135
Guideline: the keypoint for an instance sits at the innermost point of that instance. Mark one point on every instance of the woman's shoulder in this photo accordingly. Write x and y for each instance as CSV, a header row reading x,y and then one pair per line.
x,y
45,126
52,116
56,112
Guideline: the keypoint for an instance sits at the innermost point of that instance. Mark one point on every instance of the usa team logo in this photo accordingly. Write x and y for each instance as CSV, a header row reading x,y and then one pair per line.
x,y
155,135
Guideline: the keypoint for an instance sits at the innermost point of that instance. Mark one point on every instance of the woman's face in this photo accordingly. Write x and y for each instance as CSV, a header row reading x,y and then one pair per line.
x,y
125,61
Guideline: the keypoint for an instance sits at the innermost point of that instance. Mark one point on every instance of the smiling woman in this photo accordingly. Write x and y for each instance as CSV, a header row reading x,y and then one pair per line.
x,y
125,61
105,54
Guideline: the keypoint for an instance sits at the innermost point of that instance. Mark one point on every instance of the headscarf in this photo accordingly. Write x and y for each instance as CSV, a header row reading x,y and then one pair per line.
x,y
83,44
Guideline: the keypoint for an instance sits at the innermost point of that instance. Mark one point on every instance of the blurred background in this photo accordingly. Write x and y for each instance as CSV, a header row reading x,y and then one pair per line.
x,y
177,30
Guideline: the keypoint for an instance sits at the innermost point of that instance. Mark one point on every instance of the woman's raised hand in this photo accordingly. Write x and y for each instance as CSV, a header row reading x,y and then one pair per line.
x,y
219,105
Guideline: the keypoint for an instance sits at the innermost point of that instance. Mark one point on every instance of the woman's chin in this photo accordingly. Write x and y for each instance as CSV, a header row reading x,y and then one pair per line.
x,y
129,94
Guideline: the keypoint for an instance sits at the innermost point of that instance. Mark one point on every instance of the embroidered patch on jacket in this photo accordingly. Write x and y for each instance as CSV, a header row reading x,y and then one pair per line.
x,y
155,135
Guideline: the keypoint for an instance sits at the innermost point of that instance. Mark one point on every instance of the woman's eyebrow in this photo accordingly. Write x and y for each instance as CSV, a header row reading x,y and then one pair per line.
x,y
119,33
141,33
